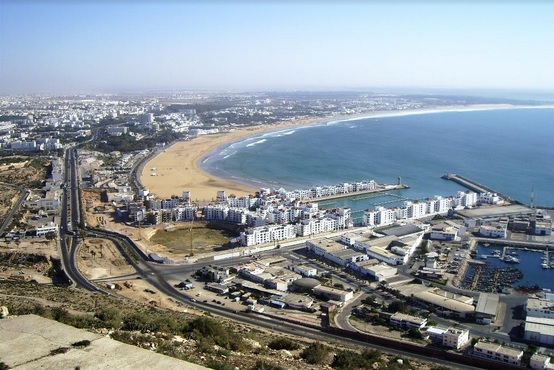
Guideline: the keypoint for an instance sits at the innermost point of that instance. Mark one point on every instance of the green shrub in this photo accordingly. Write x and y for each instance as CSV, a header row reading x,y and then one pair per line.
x,y
315,353
283,343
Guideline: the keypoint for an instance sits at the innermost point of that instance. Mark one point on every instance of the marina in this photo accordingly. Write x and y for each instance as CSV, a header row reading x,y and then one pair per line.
x,y
497,268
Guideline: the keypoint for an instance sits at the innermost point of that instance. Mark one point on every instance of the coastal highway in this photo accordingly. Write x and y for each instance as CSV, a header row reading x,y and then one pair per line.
x,y
69,224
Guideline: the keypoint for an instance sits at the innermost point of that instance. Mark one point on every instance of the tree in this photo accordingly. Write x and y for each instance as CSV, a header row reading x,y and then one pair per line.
x,y
415,333
51,236
397,306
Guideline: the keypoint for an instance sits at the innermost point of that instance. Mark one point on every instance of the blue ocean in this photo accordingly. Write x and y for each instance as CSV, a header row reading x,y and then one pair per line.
x,y
509,150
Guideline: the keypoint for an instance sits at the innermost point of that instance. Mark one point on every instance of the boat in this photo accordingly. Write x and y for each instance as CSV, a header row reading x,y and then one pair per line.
x,y
510,259
545,266
483,257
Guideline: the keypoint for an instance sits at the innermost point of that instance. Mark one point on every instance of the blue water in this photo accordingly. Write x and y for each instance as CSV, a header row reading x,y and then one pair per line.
x,y
530,265
509,150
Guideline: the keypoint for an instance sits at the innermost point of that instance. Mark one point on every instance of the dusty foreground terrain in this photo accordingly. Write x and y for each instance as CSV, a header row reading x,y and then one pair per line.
x,y
55,346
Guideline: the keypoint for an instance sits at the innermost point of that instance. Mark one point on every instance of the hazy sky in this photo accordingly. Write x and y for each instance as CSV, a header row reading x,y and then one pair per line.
x,y
105,46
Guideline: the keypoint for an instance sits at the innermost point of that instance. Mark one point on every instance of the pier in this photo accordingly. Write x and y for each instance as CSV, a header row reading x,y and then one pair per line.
x,y
472,185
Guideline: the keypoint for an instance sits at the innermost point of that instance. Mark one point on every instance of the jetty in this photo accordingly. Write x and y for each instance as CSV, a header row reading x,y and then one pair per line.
x,y
472,185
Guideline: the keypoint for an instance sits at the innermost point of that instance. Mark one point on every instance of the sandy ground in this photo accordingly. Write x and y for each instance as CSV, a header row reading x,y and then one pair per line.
x,y
37,272
177,168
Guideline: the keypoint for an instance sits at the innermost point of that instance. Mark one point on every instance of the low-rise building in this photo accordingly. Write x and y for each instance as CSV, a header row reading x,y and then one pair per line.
x,y
448,304
539,307
540,362
50,227
443,231
539,330
497,352
333,294
407,321
305,271
493,230
455,338
487,306
435,333
381,272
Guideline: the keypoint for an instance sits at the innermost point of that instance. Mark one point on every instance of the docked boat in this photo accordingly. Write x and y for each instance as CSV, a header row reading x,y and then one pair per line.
x,y
545,266
510,259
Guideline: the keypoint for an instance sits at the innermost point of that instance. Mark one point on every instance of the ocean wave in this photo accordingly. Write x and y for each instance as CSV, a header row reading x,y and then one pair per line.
x,y
256,143
288,133
228,155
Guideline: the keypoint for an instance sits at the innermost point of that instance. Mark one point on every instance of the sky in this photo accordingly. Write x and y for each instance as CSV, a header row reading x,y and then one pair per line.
x,y
104,46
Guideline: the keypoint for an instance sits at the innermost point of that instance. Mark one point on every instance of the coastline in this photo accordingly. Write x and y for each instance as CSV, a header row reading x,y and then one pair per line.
x,y
179,167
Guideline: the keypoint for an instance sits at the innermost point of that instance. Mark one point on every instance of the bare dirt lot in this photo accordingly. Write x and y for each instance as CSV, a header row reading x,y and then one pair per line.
x,y
27,260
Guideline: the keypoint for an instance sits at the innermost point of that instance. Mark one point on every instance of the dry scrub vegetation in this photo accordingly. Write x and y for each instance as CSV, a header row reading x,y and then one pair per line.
x,y
200,338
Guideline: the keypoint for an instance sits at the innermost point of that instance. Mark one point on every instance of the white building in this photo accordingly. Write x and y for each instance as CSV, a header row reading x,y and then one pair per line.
x,y
241,202
490,198
267,234
303,270
184,213
455,338
50,227
496,352
493,230
335,252
379,217
216,212
407,321
443,231
50,202
539,307
539,330
540,362
333,293
314,227
116,130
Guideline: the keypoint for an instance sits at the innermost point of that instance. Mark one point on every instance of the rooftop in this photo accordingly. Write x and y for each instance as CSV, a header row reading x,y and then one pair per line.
x,y
487,304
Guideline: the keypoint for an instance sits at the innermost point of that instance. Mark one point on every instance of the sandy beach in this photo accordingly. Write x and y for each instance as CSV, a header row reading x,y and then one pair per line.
x,y
176,169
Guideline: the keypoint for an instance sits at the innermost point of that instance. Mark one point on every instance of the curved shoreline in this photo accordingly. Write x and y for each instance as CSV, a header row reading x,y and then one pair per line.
x,y
182,162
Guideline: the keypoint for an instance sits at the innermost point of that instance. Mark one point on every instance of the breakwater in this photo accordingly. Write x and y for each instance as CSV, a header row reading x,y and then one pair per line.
x,y
472,185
